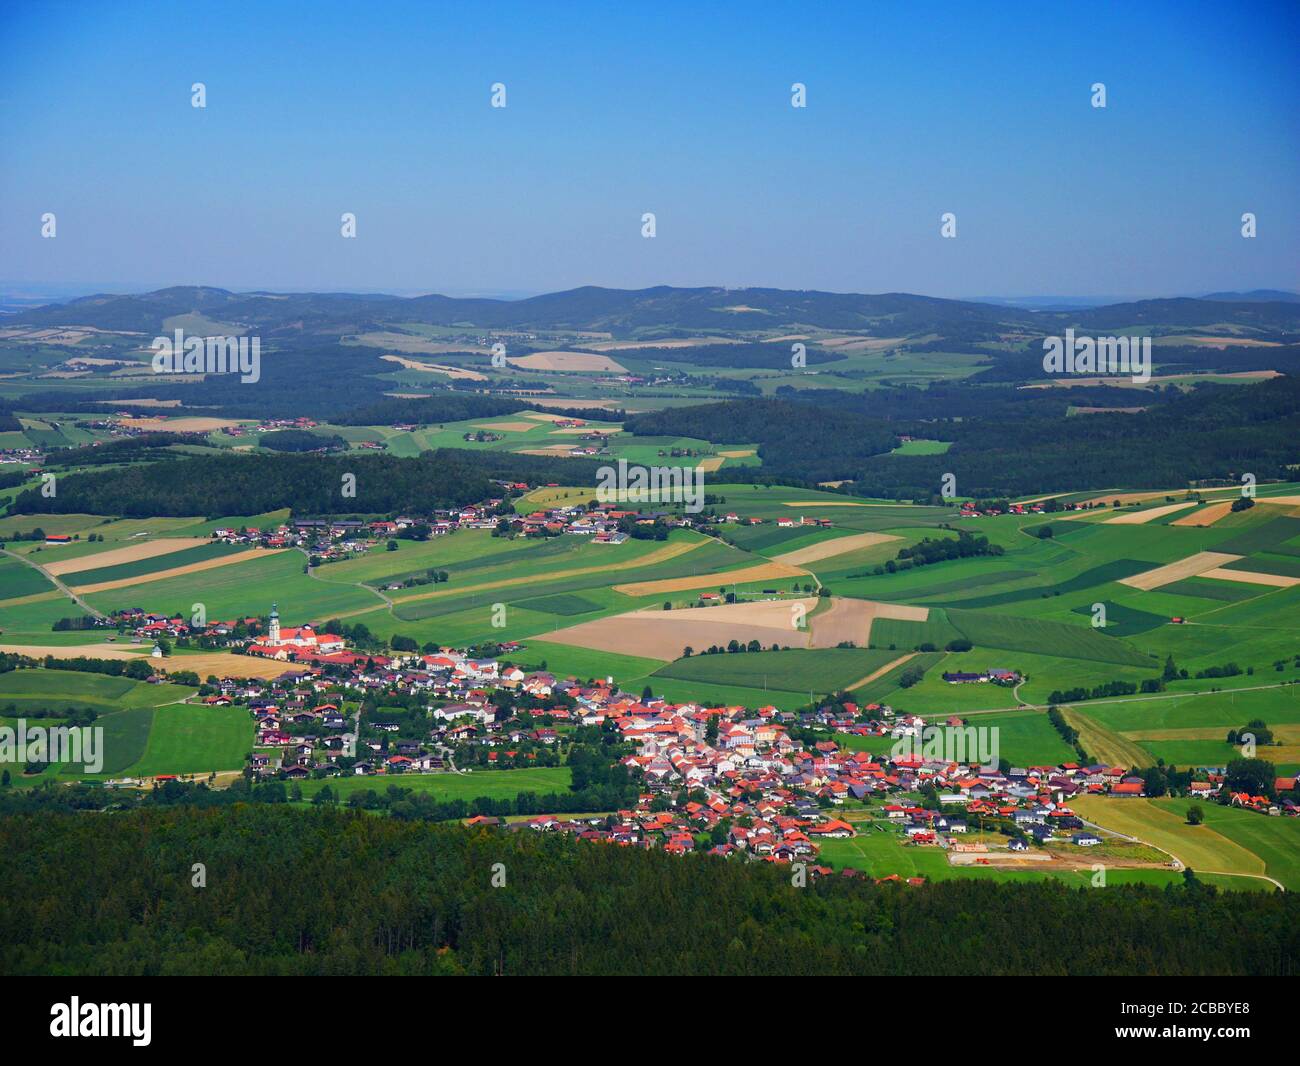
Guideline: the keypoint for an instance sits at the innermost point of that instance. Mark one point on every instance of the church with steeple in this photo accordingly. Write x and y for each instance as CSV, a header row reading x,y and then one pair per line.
x,y
283,642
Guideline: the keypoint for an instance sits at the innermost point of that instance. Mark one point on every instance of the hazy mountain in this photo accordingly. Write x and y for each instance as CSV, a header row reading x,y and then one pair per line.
x,y
664,309
1256,296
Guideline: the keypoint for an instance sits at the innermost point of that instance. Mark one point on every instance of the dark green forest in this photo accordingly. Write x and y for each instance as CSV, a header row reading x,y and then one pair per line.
x,y
323,892
1211,433
216,485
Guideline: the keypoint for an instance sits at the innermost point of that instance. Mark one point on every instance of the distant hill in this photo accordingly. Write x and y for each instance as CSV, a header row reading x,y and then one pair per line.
x,y
1256,296
664,309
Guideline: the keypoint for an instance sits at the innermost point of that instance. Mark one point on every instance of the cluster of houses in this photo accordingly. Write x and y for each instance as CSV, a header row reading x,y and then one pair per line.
x,y
21,455
983,677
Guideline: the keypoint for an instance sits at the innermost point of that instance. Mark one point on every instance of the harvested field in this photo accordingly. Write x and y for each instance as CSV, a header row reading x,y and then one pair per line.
x,y
566,402
436,368
1141,518
680,342
1206,516
405,342
826,503
1286,501
220,663
738,453
1192,566
764,572
1251,577
184,424
543,416
850,619
180,571
828,549
655,634
147,549
1129,497
711,464
568,361
508,427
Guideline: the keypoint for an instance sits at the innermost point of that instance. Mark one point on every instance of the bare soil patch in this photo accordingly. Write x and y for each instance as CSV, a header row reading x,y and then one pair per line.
x,y
655,634
850,620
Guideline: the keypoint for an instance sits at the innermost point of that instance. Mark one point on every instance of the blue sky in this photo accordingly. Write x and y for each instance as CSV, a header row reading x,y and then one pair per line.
x,y
614,110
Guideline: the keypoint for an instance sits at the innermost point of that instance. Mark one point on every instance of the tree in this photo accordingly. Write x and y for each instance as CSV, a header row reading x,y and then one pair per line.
x,y
1255,776
1195,815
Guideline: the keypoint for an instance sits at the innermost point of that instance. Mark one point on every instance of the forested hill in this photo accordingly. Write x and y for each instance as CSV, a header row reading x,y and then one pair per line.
x,y
216,485
623,310
1012,446
292,892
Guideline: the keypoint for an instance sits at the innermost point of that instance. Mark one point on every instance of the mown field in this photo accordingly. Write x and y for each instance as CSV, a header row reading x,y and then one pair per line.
x,y
147,730
795,670
882,853
1231,841
495,784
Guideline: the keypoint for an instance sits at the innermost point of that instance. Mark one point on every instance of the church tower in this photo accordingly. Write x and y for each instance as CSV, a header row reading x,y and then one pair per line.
x,y
273,628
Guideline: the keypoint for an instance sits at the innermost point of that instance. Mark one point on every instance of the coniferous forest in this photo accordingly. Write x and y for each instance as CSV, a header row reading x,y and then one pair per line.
x,y
325,892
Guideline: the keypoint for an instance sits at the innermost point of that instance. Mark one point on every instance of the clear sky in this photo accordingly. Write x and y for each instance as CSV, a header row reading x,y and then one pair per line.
x,y
617,109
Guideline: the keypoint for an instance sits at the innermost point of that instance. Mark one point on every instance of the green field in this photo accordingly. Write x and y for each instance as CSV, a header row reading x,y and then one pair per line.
x,y
882,853
142,568
17,580
1231,841
495,784
795,670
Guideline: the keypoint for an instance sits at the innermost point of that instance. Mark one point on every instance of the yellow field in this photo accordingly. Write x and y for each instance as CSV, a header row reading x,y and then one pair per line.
x,y
1141,518
568,361
828,549
1206,516
1251,577
1192,566
436,368
220,663
184,424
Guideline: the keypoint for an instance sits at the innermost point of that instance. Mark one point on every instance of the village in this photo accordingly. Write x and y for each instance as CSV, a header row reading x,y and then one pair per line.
x,y
747,784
